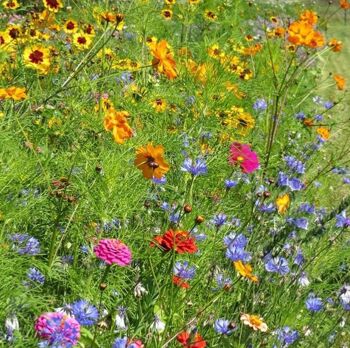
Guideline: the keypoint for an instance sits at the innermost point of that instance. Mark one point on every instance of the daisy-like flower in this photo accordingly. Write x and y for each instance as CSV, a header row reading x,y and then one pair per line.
x,y
242,155
15,93
180,241
282,203
82,41
150,160
116,121
254,321
167,14
210,15
70,26
58,329
159,104
11,4
85,313
113,251
323,132
53,5
37,57
336,45
191,341
340,82
245,270
163,59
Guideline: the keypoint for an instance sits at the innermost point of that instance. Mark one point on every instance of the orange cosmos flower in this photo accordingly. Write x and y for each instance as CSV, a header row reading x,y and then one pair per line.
x,y
309,17
15,93
302,33
37,57
199,71
254,321
323,132
116,121
149,159
282,203
53,5
340,81
245,270
336,45
11,4
163,59
344,4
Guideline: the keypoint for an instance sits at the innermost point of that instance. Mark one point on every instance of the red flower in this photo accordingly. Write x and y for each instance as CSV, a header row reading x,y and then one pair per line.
x,y
242,154
196,341
180,241
180,282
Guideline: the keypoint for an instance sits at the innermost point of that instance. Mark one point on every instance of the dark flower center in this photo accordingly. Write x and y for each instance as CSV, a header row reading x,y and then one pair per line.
x,y
242,122
82,40
36,57
14,33
53,3
152,163
70,26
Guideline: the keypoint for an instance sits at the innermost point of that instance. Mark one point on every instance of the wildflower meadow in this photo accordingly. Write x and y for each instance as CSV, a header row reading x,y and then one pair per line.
x,y
174,173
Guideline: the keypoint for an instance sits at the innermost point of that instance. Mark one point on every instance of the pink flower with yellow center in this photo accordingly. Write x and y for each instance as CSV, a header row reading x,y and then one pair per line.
x,y
242,155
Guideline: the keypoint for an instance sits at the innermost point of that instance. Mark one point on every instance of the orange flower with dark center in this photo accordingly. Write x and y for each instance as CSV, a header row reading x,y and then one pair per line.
x,y
163,59
180,241
149,159
344,4
336,45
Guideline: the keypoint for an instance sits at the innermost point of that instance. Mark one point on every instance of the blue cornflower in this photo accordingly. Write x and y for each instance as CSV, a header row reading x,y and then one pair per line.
x,y
260,105
307,208
165,206
313,303
302,223
238,254
277,265
235,222
346,181
236,240
199,167
342,220
267,208
344,295
299,258
161,181
183,270
282,179
25,244
318,118
120,342
35,275
190,100
84,249
300,116
294,164
287,336
328,105
295,184
230,183
223,326
85,313
219,220
174,217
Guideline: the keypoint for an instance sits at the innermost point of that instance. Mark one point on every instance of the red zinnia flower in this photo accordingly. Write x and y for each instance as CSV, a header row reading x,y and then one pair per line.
x,y
187,341
242,154
180,241
180,282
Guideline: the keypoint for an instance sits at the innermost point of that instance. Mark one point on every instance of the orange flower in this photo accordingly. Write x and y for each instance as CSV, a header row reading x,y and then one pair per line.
x,y
191,341
302,33
336,45
340,81
53,5
180,241
180,282
199,71
150,160
308,122
254,321
163,59
282,203
323,132
15,93
344,4
309,17
245,270
116,122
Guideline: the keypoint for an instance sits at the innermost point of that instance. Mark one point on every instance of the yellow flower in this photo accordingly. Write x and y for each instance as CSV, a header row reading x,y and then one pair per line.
x,y
254,321
70,26
245,270
116,121
282,203
170,2
53,5
210,15
82,41
14,32
11,4
167,14
323,132
199,71
234,89
240,120
37,57
15,93
215,52
159,105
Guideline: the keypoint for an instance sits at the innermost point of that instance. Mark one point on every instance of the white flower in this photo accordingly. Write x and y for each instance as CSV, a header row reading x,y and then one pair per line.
x,y
157,325
11,325
139,290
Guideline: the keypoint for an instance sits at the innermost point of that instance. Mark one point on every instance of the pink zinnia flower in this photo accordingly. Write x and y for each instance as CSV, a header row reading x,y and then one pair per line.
x,y
113,251
242,154
58,329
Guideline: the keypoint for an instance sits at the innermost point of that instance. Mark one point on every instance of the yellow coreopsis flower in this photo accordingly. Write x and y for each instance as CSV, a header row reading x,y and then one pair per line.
x,y
82,41
15,93
282,203
11,4
245,270
53,5
37,57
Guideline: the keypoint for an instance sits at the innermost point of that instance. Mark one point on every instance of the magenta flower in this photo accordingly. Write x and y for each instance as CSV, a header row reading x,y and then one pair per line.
x,y
113,251
246,158
58,329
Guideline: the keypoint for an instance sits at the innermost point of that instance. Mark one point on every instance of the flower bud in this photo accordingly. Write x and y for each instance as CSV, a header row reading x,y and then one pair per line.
x,y
199,219
187,208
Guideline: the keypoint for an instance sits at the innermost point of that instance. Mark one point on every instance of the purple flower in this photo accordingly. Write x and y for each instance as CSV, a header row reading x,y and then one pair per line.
x,y
120,342
160,181
300,116
295,184
342,220
230,183
25,244
328,105
307,208
267,208
183,270
219,220
260,105
35,275
344,295
313,303
222,282
294,164
224,327
287,336
277,265
85,313
299,258
199,167
302,223
282,179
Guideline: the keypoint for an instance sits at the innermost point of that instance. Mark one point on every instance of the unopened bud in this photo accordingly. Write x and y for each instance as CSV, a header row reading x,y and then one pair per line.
x,y
103,286
199,219
187,208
